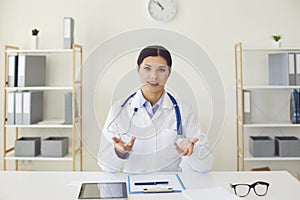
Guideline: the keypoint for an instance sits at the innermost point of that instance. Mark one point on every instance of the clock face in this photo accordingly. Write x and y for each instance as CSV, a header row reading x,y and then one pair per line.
x,y
162,10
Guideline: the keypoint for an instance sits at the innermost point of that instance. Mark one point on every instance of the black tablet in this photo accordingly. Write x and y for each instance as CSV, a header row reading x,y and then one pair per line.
x,y
111,190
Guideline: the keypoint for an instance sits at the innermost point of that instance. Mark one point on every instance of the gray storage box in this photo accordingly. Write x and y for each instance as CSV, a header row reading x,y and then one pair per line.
x,y
287,146
261,146
28,146
55,146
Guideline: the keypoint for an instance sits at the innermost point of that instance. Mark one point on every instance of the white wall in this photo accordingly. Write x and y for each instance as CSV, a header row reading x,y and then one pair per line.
x,y
215,25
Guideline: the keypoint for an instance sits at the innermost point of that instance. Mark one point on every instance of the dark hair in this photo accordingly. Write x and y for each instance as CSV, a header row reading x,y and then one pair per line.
x,y
155,50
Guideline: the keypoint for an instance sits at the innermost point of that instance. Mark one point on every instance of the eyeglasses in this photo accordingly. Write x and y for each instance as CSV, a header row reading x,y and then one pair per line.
x,y
260,188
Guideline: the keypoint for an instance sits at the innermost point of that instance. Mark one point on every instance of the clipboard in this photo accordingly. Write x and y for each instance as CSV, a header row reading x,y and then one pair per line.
x,y
155,183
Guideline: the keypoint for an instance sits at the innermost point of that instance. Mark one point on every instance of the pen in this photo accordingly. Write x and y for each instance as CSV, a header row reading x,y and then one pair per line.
x,y
152,183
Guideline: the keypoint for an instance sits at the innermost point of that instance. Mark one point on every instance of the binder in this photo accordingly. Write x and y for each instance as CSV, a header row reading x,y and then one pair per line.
x,y
68,32
297,68
19,108
32,107
295,107
31,70
282,69
10,108
247,106
12,70
69,108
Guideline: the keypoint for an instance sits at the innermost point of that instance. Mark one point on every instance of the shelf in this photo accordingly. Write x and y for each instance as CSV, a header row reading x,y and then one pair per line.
x,y
41,51
249,157
11,156
271,50
274,125
39,88
40,126
249,87
43,124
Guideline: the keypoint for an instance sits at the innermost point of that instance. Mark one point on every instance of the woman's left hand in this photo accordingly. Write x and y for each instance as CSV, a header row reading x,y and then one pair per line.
x,y
186,146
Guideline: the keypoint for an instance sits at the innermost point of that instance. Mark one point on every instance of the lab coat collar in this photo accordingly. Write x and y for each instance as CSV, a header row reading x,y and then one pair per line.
x,y
137,103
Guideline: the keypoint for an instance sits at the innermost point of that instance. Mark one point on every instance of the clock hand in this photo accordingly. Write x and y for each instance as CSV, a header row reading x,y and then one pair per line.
x,y
157,3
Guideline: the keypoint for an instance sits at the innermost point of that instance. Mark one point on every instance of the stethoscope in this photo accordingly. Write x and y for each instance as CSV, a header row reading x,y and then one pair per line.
x,y
176,108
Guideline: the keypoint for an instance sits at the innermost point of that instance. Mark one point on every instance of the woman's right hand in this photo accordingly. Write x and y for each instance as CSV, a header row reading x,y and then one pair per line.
x,y
122,147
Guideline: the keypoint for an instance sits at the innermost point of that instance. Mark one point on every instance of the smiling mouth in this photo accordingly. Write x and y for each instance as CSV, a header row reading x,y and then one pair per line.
x,y
153,84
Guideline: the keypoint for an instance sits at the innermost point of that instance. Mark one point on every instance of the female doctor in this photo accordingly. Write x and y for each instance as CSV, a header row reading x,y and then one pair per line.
x,y
148,130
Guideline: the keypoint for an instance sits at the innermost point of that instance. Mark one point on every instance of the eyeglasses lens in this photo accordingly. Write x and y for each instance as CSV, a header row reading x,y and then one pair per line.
x,y
242,190
261,189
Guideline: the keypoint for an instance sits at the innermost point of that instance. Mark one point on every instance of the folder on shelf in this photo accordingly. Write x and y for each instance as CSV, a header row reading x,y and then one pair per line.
x,y
68,32
10,108
19,108
282,69
31,70
297,68
32,107
247,106
69,108
12,70
295,107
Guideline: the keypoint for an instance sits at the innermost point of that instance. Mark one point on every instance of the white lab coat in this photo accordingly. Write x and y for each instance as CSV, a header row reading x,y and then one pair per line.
x,y
153,149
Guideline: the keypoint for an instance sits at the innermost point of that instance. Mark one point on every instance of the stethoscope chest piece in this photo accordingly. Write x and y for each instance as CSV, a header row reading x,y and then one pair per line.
x,y
179,139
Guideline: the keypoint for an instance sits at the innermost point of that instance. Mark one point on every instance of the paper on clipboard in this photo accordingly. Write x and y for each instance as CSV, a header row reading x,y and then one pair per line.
x,y
173,181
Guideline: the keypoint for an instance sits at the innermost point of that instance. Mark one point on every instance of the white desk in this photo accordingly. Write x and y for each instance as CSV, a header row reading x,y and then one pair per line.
x,y
66,185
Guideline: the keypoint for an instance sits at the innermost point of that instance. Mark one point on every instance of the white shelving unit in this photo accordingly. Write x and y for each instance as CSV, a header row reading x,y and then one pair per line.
x,y
74,129
268,124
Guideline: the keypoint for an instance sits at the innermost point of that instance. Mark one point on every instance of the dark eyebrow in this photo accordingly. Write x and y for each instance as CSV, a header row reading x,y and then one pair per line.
x,y
163,66
147,65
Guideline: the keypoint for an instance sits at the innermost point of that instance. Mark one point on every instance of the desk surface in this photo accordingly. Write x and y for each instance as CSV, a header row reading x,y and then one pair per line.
x,y
66,185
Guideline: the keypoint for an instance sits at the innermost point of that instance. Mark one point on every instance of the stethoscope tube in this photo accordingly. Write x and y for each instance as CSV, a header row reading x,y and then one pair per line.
x,y
178,116
176,108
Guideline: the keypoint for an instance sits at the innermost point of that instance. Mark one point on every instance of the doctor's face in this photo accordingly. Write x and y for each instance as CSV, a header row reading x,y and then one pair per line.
x,y
154,73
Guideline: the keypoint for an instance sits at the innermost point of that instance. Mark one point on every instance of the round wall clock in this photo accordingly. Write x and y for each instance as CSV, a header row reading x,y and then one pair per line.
x,y
162,10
